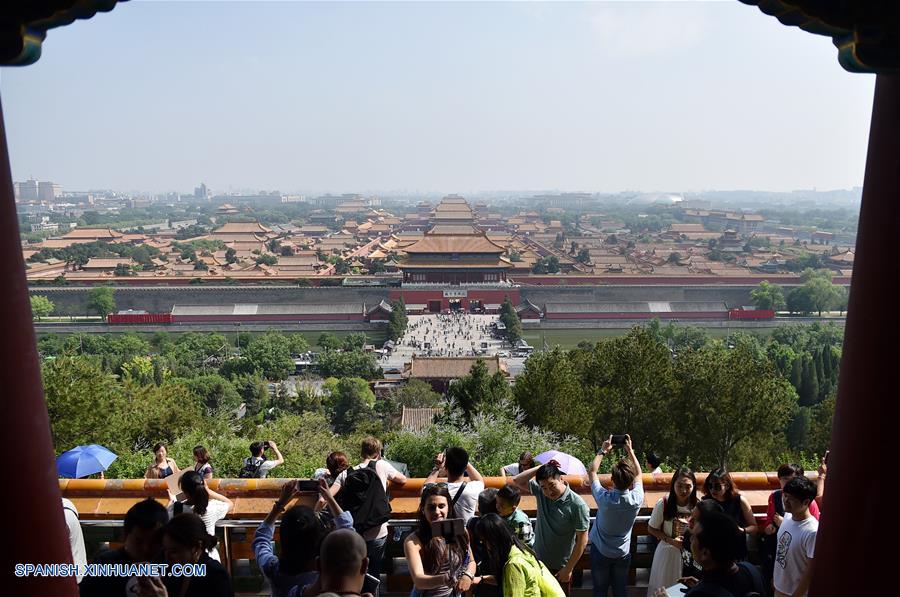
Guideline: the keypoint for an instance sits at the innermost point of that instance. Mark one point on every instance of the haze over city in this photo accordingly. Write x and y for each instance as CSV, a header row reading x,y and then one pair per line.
x,y
437,97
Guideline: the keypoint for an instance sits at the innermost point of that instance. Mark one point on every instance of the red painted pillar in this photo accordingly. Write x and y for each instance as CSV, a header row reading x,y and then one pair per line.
x,y
853,550
34,522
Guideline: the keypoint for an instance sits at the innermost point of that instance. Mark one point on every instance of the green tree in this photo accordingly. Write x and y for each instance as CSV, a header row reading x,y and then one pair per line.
x,y
101,300
270,354
329,341
768,296
266,259
354,341
198,350
41,306
550,394
398,320
336,363
799,300
84,402
823,295
349,403
214,391
510,319
416,393
674,257
727,396
230,255
298,344
478,390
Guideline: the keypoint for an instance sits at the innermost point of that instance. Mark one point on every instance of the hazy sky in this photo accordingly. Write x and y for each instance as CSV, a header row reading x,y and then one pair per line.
x,y
449,97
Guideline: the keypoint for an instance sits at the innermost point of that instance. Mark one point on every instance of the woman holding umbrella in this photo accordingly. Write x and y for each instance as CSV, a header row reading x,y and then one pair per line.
x,y
162,466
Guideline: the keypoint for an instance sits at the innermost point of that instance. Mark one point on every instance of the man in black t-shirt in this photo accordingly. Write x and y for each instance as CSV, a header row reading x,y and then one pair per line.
x,y
716,546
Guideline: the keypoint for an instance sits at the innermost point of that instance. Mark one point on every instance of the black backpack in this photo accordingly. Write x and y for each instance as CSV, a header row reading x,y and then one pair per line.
x,y
362,495
251,470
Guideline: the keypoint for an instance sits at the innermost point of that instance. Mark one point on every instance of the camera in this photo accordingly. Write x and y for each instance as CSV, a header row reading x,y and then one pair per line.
x,y
307,485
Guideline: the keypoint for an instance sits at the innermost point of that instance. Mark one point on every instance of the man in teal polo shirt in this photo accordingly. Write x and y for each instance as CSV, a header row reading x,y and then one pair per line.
x,y
563,519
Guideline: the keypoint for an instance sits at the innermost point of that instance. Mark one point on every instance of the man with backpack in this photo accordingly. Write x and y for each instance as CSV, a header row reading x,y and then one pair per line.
x,y
463,493
362,491
257,466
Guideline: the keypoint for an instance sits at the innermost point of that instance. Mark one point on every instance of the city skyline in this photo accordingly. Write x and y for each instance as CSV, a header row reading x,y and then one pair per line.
x,y
433,98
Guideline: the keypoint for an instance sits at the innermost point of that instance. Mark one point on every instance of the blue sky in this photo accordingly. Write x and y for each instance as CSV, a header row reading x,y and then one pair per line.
x,y
437,97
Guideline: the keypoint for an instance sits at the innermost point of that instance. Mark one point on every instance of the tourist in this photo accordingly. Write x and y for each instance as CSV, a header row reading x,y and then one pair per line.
x,y
376,536
653,462
720,486
511,564
487,504
518,522
201,462
617,509
717,546
668,521
562,523
186,541
439,566
209,505
796,540
162,466
257,466
76,537
526,461
342,566
690,567
820,481
774,516
302,533
335,464
142,543
464,493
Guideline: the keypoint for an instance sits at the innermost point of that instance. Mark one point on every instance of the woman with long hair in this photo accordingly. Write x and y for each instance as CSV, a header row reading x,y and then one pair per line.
x,y
162,466
201,462
511,563
439,566
196,497
669,519
185,541
720,486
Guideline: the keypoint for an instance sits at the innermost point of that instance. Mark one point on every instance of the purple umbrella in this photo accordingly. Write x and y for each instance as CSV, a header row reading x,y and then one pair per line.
x,y
568,464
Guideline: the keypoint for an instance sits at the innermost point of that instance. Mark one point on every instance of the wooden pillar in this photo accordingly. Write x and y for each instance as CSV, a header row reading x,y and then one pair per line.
x,y
853,556
34,519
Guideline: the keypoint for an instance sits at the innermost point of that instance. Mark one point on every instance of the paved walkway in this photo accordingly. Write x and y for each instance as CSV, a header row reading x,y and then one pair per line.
x,y
446,335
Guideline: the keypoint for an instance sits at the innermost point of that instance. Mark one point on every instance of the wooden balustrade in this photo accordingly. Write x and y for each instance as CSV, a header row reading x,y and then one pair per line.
x,y
98,499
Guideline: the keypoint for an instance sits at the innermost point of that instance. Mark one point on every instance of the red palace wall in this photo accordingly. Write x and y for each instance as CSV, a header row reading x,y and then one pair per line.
x,y
486,296
646,315
287,317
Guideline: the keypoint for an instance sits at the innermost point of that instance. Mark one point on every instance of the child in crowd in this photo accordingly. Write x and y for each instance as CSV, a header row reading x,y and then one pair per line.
x,y
518,522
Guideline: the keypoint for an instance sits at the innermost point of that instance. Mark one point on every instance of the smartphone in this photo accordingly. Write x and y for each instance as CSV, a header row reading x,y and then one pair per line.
x,y
449,529
370,584
307,485
825,458
618,440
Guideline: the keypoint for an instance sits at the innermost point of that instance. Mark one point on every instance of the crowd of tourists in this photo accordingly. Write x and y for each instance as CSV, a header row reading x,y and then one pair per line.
x,y
468,539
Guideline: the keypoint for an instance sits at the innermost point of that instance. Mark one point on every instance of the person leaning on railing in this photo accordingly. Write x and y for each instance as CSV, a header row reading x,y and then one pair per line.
x,y
162,466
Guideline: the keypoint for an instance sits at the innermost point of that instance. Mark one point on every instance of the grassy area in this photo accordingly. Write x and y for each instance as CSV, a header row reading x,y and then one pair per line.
x,y
568,339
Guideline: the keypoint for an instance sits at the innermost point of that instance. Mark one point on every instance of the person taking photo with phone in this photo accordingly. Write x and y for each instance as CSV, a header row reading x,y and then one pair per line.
x,y
616,510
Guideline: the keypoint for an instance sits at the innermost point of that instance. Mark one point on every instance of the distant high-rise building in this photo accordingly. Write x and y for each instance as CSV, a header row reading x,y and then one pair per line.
x,y
28,190
48,191
201,192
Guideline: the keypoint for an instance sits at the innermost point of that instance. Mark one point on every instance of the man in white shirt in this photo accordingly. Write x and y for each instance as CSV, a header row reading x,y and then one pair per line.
x,y
463,493
796,540
76,538
376,537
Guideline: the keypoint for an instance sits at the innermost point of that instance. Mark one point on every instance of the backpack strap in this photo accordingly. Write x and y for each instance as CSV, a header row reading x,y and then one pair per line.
x,y
456,497
373,464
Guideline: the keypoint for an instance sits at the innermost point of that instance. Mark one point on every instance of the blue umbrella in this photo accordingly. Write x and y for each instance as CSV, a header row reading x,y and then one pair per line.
x,y
83,461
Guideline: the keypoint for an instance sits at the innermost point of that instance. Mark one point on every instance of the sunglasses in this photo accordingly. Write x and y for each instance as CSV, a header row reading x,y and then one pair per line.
x,y
432,486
